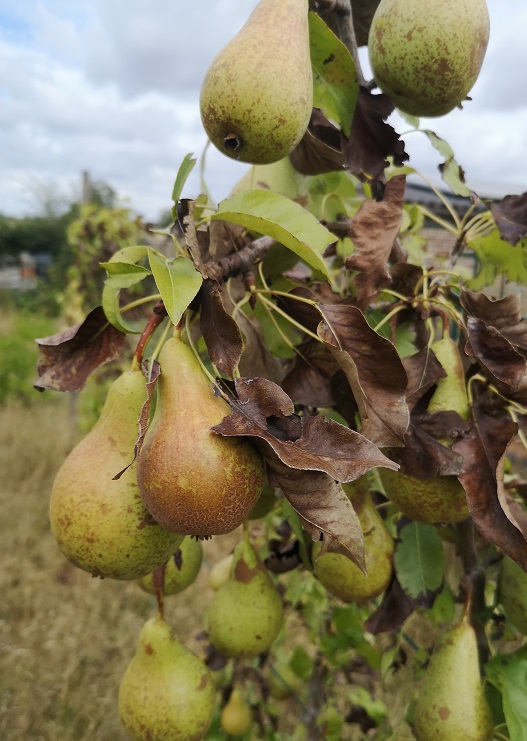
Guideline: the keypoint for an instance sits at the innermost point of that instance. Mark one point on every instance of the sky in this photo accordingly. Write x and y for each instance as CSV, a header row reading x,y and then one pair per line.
x,y
112,87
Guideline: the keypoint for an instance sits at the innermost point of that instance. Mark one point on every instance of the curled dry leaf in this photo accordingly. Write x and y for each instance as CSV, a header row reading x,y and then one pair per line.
x,y
67,358
504,314
220,331
308,380
511,217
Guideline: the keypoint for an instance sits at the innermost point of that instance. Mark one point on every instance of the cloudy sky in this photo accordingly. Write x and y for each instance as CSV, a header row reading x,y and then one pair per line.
x,y
112,86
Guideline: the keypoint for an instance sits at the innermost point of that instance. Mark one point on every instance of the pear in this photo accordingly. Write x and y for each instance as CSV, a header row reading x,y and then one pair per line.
x,y
180,571
166,693
512,590
236,717
426,55
450,703
451,390
193,481
219,573
246,613
257,96
440,500
102,525
340,576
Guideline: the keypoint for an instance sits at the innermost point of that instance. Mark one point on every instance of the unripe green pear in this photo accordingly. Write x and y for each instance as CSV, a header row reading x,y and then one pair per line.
x,y
512,590
236,717
219,573
166,693
450,704
102,524
451,391
193,481
180,570
427,55
246,613
339,575
435,501
257,96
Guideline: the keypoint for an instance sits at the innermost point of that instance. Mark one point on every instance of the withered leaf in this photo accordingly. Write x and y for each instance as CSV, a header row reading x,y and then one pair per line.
x,y
374,371
511,217
305,313
406,277
373,231
220,331
256,360
483,460
423,456
67,358
308,380
497,355
423,370
395,607
319,150
504,314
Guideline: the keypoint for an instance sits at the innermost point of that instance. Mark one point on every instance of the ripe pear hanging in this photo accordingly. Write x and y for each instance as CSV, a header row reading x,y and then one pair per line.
x,y
439,500
450,703
180,570
339,575
246,613
427,55
257,96
166,693
102,525
193,481
236,717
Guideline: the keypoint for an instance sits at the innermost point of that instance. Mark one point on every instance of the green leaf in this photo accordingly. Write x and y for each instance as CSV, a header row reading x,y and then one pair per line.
x,y
335,87
300,663
123,273
125,268
509,673
131,255
497,257
177,281
184,171
451,172
279,218
418,559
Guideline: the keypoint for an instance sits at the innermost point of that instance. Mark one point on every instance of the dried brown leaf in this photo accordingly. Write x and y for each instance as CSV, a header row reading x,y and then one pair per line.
x,y
220,331
511,217
308,380
319,150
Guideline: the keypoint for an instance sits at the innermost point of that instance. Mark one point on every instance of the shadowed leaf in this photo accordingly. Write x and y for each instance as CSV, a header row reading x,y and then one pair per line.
x,y
67,358
511,217
504,314
418,559
220,331
395,607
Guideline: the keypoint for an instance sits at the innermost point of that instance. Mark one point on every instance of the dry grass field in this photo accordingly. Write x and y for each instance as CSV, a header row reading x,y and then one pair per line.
x,y
65,637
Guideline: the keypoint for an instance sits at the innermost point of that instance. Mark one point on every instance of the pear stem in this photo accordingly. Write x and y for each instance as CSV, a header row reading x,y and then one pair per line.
x,y
155,319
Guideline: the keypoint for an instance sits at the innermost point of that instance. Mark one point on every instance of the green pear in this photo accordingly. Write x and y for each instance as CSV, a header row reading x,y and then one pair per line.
x,y
220,572
338,574
451,391
426,55
440,500
257,96
246,613
512,590
102,525
166,693
193,481
236,719
450,704
180,571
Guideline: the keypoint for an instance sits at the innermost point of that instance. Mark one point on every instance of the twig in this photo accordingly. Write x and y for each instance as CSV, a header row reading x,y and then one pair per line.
x,y
343,14
239,262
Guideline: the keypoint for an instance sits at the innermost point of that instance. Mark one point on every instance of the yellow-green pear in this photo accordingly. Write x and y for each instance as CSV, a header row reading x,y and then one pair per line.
x,y
192,480
236,719
451,390
102,524
180,570
166,693
220,572
427,55
338,574
512,590
246,613
257,96
450,704
440,500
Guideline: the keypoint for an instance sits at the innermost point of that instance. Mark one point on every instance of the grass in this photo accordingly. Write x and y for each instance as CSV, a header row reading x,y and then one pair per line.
x,y
65,637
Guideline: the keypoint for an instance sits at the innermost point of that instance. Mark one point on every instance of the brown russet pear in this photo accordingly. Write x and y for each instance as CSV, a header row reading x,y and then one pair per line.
x,y
166,693
192,480
246,613
257,96
450,703
512,590
179,571
338,574
236,719
102,524
440,500
427,55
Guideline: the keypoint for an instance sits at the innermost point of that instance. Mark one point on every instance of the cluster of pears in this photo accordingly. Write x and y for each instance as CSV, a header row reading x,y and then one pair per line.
x,y
338,574
257,96
427,55
441,499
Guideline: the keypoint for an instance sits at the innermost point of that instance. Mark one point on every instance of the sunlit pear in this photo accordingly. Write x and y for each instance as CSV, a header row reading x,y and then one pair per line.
x,y
512,589
102,524
246,613
166,693
220,572
435,501
236,719
451,391
180,570
427,55
339,575
450,703
257,96
192,480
